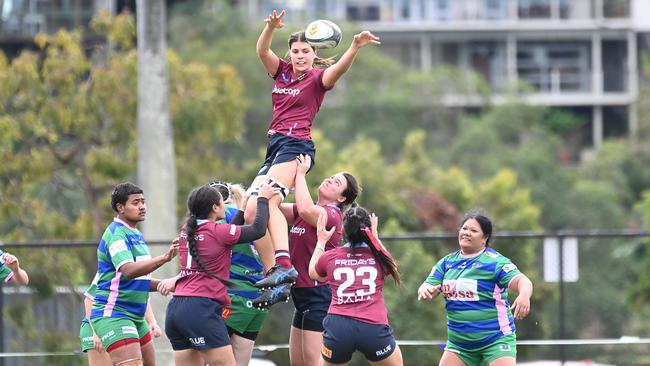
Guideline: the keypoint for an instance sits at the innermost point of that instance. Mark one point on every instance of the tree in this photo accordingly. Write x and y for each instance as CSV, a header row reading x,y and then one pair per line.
x,y
67,133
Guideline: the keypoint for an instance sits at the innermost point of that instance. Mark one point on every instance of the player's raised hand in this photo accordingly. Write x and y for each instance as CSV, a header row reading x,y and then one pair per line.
x,y
275,20
374,225
304,163
267,189
365,38
173,250
11,261
428,291
322,233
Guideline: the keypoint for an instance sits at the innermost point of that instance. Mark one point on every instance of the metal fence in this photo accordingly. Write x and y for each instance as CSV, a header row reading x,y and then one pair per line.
x,y
589,311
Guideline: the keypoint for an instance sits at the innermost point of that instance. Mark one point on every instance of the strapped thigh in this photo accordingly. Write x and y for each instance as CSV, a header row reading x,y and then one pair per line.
x,y
130,362
284,190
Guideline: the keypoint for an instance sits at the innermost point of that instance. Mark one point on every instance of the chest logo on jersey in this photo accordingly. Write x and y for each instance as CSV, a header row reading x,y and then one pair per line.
x,y
288,91
460,290
298,230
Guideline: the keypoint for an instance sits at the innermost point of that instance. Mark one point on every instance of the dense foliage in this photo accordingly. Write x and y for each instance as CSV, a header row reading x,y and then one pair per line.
x,y
67,124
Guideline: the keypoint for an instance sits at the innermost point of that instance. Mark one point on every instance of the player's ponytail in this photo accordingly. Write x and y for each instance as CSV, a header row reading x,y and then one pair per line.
x,y
199,205
356,225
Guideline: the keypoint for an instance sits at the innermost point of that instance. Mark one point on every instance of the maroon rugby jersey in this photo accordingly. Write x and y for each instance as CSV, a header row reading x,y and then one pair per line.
x,y
302,242
296,102
214,242
356,280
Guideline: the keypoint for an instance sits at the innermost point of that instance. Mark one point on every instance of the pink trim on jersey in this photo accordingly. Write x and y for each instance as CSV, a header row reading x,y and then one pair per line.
x,y
9,277
112,298
502,311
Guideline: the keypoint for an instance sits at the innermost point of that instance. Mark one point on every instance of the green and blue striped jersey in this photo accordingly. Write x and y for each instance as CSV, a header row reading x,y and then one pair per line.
x,y
90,293
245,266
118,296
476,297
6,274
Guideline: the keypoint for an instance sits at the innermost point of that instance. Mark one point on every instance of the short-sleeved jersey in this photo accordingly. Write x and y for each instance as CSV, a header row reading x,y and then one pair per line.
x,y
302,242
90,293
476,296
245,266
296,101
6,274
118,296
357,280
214,242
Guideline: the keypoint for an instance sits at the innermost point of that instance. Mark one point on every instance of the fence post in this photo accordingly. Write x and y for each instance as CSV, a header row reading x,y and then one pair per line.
x,y
562,304
2,323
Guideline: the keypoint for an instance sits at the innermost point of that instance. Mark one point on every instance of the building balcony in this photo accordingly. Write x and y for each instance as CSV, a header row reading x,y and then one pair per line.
x,y
549,87
23,19
446,12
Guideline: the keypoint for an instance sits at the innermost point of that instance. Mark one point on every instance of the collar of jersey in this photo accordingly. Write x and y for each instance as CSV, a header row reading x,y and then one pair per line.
x,y
125,224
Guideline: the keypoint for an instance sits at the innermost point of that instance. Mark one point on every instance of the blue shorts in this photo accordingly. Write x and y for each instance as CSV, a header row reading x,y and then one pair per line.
x,y
195,323
343,335
311,305
283,148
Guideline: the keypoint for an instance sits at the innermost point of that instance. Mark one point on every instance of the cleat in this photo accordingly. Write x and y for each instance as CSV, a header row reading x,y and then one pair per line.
x,y
272,296
277,276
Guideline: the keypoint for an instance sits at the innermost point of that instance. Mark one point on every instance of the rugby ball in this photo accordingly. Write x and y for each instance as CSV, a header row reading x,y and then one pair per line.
x,y
323,34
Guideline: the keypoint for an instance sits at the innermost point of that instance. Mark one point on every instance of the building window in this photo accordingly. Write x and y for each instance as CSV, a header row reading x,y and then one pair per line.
x,y
442,10
557,67
495,9
616,8
614,61
534,9
361,12
488,59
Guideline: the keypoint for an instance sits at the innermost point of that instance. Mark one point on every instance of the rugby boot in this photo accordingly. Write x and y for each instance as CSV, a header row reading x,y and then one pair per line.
x,y
277,276
272,296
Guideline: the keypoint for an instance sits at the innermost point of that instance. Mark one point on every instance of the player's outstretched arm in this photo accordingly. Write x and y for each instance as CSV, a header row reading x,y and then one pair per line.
x,y
307,209
137,269
333,73
263,47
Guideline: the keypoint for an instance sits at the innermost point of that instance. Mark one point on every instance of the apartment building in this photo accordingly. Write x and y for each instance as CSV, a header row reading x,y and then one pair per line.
x,y
21,20
582,55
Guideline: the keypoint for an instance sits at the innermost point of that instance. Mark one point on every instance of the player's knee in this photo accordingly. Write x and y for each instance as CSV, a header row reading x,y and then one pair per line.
x,y
131,362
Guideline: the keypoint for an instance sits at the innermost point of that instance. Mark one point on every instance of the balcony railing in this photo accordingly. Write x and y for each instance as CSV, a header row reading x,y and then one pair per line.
x,y
449,11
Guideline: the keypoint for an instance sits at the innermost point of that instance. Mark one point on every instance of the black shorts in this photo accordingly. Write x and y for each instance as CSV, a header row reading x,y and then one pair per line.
x,y
311,305
195,323
343,335
283,148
